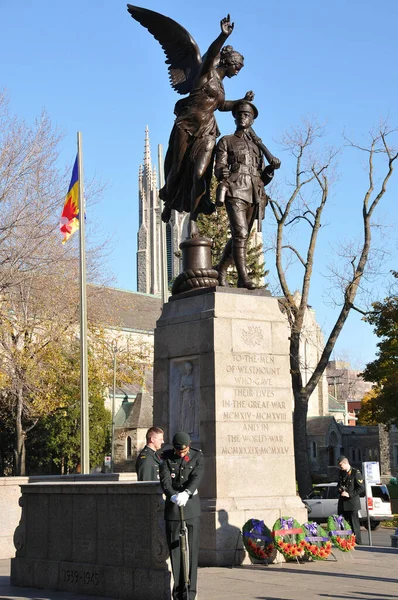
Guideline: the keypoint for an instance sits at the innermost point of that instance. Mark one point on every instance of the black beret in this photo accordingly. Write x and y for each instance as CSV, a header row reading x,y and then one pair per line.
x,y
181,440
341,458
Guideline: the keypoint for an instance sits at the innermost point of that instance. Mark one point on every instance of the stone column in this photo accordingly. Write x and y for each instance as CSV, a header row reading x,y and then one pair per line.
x,y
237,344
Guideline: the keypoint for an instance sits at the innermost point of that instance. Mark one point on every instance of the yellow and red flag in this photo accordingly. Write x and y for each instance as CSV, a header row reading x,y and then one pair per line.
x,y
69,222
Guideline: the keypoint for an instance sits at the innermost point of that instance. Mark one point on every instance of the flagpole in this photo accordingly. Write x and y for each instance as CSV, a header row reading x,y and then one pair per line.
x,y
163,251
84,419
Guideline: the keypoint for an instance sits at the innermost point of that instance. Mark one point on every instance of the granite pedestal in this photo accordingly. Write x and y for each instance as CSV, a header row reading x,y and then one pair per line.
x,y
222,372
101,539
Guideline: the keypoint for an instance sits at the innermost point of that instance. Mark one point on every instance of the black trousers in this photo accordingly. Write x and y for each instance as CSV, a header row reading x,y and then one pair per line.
x,y
352,517
172,534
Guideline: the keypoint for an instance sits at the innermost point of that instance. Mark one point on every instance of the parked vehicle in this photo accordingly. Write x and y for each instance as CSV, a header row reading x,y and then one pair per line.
x,y
322,503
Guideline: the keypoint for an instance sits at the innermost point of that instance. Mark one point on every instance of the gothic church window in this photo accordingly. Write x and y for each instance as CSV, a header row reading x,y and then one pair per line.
x,y
313,449
128,447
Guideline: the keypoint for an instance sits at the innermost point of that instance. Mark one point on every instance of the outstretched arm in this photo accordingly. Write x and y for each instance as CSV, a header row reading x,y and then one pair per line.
x,y
215,48
228,104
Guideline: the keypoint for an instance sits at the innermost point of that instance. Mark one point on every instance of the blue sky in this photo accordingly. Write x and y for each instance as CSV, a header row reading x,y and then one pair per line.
x,y
96,70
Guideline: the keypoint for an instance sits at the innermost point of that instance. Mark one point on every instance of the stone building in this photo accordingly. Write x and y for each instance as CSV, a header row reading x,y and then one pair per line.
x,y
339,433
311,347
328,439
148,236
347,386
132,421
131,316
148,239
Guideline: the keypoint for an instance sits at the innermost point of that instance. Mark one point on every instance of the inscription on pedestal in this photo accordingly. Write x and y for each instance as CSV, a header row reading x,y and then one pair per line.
x,y
254,405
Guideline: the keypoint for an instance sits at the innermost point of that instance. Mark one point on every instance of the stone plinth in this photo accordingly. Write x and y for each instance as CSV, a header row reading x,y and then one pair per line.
x,y
10,512
102,539
236,342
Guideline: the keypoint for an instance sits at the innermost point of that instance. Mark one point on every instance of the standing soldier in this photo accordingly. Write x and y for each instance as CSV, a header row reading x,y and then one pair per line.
x,y
240,170
148,460
351,487
180,475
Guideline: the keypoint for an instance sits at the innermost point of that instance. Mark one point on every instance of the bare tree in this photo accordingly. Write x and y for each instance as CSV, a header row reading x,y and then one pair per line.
x,y
38,275
304,206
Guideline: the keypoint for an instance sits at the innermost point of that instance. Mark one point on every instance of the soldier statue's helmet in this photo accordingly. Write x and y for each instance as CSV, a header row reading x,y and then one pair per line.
x,y
181,440
244,106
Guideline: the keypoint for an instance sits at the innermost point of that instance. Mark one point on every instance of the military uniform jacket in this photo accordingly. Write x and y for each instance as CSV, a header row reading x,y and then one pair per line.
x,y
354,485
179,474
147,465
244,160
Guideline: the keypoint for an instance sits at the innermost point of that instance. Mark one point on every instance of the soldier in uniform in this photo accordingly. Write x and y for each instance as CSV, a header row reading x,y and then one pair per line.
x,y
148,460
240,169
180,475
351,487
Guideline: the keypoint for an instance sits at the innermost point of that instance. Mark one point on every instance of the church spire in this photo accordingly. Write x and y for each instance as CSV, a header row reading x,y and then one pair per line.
x,y
147,154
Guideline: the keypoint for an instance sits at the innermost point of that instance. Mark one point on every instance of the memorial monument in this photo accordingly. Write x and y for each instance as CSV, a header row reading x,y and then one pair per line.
x,y
221,355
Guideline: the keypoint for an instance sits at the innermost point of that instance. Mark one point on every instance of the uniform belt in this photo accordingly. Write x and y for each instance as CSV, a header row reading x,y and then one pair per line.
x,y
245,169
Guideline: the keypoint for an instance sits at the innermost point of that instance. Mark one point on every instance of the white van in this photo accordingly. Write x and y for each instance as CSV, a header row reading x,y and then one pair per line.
x,y
322,503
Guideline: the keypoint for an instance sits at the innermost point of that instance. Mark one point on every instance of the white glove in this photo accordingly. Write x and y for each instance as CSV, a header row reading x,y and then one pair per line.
x,y
174,498
182,498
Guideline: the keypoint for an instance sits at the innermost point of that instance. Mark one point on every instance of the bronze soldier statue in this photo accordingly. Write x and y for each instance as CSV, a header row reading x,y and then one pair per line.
x,y
240,170
190,154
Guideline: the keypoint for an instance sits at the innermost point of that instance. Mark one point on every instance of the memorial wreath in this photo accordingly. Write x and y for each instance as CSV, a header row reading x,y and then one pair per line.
x,y
341,533
257,539
317,544
289,537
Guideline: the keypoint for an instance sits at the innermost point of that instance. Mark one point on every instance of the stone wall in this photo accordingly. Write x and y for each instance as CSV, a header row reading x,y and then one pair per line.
x,y
96,538
10,509
10,512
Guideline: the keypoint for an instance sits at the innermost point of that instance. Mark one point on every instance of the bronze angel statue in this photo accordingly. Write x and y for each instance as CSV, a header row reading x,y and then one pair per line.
x,y
190,154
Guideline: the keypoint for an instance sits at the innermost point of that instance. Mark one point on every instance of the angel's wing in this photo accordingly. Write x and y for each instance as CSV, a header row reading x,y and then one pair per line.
x,y
182,52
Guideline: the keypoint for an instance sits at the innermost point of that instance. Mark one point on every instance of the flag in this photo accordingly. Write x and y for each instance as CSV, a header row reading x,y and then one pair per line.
x,y
69,222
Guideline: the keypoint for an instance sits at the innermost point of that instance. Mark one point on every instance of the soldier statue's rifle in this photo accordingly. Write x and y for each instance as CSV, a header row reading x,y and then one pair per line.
x,y
274,162
184,549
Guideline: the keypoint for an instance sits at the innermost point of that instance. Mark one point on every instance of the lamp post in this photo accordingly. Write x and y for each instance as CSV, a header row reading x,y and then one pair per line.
x,y
113,409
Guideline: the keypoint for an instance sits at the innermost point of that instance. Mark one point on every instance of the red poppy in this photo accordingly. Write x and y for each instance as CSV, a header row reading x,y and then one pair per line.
x,y
186,458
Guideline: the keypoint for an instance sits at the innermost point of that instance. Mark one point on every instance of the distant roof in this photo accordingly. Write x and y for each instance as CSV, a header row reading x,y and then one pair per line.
x,y
136,414
128,310
132,389
335,405
123,415
319,425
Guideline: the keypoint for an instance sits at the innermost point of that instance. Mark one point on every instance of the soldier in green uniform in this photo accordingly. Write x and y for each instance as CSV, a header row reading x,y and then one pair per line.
x,y
148,460
351,487
180,475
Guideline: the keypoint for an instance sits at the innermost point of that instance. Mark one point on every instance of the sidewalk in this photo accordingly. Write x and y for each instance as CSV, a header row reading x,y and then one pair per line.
x,y
364,574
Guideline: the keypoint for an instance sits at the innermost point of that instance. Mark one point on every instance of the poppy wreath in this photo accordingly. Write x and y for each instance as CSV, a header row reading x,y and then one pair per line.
x,y
316,542
289,537
257,539
340,533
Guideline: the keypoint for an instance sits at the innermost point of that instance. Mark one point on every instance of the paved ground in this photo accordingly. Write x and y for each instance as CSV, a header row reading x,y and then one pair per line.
x,y
365,574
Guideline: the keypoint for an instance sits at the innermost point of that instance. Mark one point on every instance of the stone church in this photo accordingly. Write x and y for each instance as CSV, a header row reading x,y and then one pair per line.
x,y
149,248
